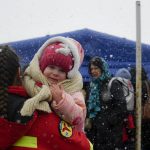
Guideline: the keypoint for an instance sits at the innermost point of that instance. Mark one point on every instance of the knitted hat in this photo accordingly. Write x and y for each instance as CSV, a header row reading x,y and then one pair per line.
x,y
62,52
124,73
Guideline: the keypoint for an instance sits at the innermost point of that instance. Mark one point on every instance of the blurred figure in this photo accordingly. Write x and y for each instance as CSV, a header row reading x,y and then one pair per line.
x,y
129,122
124,73
124,76
106,109
145,122
12,96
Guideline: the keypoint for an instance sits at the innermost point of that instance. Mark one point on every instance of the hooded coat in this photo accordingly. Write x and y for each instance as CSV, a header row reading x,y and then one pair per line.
x,y
107,124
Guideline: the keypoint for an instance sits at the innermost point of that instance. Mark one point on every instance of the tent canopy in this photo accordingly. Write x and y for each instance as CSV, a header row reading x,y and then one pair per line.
x,y
118,52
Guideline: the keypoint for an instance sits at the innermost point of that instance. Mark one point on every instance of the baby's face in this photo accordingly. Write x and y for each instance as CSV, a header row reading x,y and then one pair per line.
x,y
54,74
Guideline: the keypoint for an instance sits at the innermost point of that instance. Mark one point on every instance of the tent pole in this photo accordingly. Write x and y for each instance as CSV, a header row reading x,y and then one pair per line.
x,y
138,75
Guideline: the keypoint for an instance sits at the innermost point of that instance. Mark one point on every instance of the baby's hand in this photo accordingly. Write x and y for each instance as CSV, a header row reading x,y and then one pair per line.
x,y
57,91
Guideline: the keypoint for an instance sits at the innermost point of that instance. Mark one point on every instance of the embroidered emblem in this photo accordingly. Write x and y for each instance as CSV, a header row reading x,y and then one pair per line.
x,y
65,129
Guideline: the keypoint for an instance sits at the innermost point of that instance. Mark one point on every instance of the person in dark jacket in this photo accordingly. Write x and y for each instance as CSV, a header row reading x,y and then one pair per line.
x,y
129,122
40,130
145,132
106,109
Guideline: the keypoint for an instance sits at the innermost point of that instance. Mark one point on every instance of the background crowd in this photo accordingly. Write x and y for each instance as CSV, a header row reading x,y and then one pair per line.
x,y
111,118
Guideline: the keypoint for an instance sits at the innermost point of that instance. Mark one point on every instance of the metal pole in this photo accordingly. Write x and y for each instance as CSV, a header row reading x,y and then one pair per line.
x,y
138,75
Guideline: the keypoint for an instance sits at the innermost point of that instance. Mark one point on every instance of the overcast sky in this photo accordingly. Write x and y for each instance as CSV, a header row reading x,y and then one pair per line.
x,y
26,19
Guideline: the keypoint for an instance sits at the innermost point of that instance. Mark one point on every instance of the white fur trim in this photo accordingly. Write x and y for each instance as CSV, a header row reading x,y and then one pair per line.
x,y
68,44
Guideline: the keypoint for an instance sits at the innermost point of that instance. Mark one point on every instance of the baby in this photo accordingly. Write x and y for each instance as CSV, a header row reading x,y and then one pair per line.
x,y
54,82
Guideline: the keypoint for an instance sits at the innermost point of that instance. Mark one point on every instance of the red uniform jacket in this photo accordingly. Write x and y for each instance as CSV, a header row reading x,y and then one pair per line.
x,y
43,132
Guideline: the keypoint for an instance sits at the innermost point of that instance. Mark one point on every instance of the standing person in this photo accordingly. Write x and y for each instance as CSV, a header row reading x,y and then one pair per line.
x,y
128,87
129,121
106,109
38,131
12,96
145,132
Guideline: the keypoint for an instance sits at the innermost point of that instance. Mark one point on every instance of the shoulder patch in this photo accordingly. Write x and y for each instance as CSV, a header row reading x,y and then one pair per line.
x,y
65,129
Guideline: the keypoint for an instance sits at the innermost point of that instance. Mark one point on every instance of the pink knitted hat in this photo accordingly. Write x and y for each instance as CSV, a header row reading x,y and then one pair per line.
x,y
62,52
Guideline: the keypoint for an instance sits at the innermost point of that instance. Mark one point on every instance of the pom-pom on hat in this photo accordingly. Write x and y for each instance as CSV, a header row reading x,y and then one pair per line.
x,y
62,52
